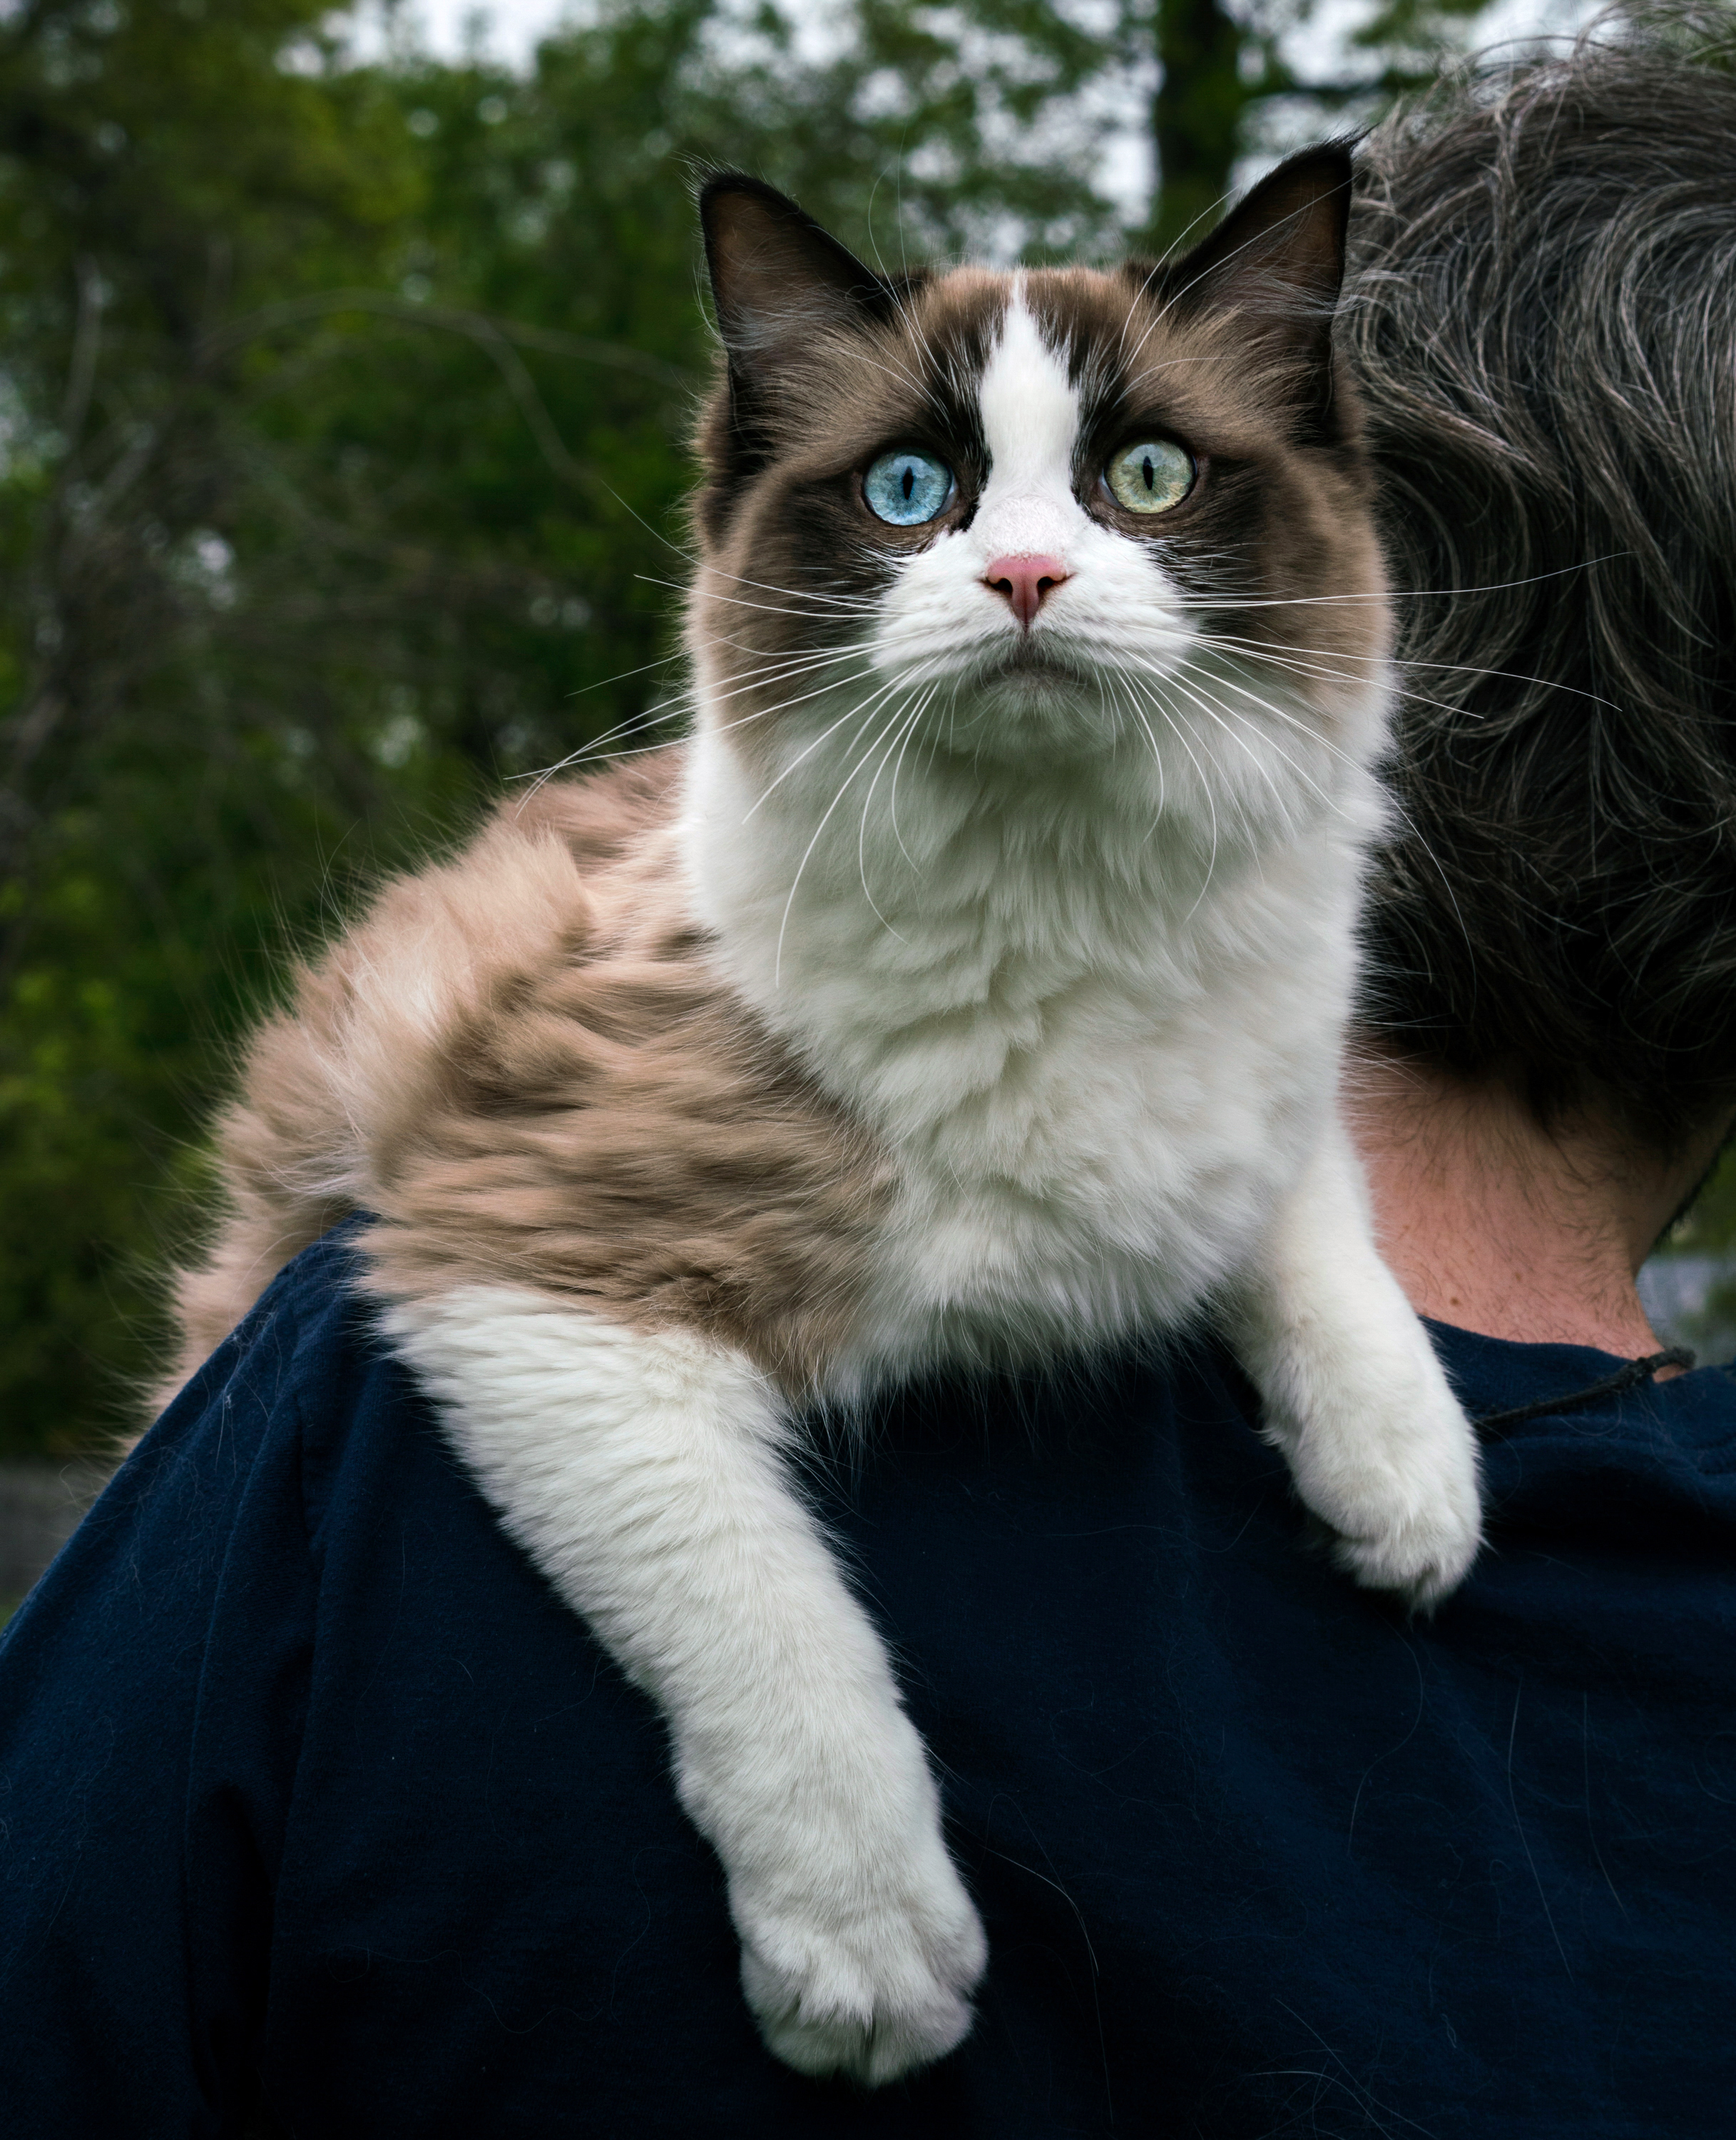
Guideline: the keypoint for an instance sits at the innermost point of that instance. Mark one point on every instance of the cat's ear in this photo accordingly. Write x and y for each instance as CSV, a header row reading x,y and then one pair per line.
x,y
775,276
1277,258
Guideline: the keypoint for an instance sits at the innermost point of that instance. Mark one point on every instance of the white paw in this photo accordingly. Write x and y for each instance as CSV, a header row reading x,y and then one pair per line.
x,y
870,1988
1400,1493
1424,1555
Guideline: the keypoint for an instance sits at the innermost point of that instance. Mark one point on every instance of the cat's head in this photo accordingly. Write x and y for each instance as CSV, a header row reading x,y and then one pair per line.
x,y
1042,512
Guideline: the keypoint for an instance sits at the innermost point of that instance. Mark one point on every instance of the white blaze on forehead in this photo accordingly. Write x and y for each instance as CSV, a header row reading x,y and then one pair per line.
x,y
1030,423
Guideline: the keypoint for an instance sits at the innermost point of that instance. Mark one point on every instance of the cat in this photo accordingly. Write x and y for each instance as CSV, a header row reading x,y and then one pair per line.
x,y
968,990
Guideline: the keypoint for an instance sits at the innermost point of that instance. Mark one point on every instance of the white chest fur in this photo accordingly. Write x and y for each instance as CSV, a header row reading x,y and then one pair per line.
x,y
1099,1039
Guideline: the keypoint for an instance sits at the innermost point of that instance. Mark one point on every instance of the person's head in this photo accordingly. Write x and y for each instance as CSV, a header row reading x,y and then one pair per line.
x,y
1544,321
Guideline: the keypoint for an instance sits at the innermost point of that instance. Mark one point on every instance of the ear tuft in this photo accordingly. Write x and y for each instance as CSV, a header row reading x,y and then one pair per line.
x,y
776,275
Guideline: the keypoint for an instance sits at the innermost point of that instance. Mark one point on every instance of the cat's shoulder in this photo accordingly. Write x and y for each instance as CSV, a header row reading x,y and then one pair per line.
x,y
567,869
558,884
602,816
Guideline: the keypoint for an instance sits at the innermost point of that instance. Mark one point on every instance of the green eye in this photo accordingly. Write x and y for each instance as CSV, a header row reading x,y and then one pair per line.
x,y
1151,477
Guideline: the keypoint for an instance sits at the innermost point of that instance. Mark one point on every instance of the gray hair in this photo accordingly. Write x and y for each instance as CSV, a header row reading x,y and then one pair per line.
x,y
1543,319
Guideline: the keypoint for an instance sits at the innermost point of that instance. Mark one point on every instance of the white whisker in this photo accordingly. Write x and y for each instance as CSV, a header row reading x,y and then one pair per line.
x,y
808,852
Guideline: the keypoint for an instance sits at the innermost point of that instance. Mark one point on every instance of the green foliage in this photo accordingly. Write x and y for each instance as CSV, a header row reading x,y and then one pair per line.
x,y
342,422
157,170
1702,1243
1709,1227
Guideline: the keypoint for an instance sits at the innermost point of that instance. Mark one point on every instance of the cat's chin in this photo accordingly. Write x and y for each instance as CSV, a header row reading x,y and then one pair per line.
x,y
1032,705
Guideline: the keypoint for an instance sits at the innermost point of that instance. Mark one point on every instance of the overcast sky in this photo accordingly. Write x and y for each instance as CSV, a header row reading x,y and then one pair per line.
x,y
514,25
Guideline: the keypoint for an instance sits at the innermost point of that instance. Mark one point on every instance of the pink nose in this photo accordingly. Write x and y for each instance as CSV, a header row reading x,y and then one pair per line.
x,y
1026,583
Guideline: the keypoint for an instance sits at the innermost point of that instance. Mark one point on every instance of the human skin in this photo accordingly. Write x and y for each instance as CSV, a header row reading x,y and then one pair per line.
x,y
1493,1223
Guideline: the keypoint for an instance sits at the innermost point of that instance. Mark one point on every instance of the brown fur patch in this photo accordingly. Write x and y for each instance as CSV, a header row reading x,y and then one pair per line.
x,y
523,1064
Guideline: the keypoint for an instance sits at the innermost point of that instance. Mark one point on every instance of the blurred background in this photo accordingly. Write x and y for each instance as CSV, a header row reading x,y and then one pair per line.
x,y
346,361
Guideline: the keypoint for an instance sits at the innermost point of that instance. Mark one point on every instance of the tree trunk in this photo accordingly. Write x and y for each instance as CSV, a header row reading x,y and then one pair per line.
x,y
1196,117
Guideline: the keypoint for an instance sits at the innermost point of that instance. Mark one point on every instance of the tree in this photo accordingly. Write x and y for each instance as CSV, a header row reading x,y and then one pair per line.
x,y
156,169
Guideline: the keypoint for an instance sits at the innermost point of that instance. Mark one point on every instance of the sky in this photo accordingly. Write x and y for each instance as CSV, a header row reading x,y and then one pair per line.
x,y
514,26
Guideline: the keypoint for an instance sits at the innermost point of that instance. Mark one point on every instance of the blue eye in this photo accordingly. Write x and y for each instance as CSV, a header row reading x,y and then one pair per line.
x,y
907,488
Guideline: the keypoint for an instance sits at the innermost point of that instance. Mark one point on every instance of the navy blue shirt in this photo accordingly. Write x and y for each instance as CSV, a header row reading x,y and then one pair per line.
x,y
308,1785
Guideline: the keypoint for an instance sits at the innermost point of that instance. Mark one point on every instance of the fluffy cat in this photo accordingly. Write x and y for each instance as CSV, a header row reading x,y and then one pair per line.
x,y
969,988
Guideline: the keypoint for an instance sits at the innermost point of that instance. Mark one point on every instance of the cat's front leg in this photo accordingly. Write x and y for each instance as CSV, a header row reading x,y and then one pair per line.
x,y
642,1473
1351,1391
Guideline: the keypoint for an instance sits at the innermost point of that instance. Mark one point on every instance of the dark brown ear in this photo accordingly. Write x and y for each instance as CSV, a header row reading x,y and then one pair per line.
x,y
1277,259
775,276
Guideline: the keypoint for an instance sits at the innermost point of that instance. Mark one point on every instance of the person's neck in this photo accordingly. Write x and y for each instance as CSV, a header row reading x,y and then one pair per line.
x,y
1492,1222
